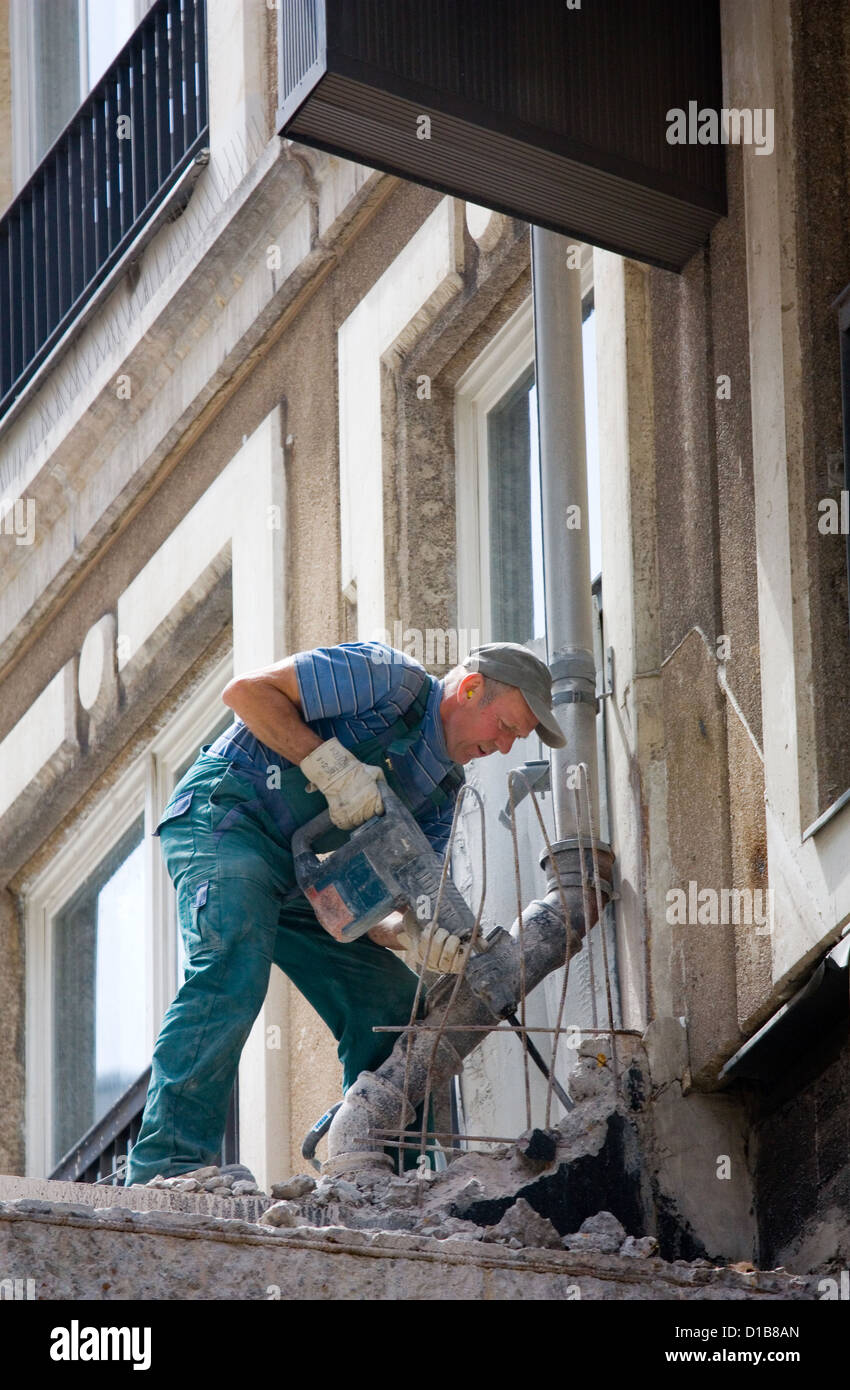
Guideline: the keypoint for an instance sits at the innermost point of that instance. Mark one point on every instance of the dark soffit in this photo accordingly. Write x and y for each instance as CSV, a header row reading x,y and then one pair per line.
x,y
554,115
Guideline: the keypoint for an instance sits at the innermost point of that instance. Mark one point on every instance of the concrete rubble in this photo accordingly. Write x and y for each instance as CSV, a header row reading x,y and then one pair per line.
x,y
71,1250
234,1180
578,1210
541,1193
592,1183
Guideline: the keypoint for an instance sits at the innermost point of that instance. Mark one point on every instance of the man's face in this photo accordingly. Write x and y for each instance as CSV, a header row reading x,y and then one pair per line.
x,y
474,730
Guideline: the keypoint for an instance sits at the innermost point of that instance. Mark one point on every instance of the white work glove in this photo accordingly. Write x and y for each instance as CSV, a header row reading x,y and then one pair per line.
x,y
349,786
445,952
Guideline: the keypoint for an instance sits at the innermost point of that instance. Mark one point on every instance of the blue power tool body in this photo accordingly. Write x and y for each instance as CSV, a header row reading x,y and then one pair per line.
x,y
387,864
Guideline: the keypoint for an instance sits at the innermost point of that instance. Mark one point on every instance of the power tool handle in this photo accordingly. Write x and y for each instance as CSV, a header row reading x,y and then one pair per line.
x,y
305,836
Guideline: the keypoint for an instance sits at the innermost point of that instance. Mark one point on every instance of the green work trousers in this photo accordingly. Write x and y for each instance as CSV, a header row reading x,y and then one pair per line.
x,y
232,870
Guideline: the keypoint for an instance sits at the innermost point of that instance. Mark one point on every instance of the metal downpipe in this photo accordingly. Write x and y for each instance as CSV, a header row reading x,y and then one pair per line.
x,y
566,543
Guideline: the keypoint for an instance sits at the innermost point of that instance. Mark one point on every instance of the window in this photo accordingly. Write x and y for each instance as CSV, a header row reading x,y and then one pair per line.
x,y
106,27
517,608
499,527
99,1044
60,49
102,958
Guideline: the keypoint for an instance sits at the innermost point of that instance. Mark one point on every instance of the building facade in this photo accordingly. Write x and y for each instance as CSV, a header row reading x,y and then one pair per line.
x,y
294,404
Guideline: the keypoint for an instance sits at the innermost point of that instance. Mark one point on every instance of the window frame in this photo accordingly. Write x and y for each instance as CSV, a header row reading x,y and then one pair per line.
x,y
502,363
498,367
145,786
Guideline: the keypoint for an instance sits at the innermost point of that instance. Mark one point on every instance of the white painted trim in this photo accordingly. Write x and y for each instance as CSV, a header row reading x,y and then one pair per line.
x,y
83,46
145,787
504,360
229,520
494,1087
34,740
68,869
414,288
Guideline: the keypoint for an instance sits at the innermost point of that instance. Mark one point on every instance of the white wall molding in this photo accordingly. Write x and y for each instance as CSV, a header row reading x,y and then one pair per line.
x,y
204,298
33,750
424,277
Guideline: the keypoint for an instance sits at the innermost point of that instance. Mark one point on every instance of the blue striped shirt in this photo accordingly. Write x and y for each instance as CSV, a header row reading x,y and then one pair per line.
x,y
353,692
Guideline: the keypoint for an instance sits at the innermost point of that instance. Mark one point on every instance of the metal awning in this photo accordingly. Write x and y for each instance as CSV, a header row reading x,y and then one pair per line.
x,y
554,114
799,1024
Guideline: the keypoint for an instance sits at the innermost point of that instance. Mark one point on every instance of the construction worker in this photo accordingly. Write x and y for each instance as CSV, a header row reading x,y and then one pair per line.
x,y
320,729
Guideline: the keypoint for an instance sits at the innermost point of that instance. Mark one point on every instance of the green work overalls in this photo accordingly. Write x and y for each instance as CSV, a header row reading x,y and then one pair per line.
x,y
239,910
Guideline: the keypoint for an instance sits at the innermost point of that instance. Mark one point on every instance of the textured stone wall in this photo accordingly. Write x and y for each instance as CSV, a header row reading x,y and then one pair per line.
x,y
12,1015
707,593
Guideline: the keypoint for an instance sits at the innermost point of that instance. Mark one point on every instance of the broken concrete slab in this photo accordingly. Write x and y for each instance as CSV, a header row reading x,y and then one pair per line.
x,y
600,1232
123,1254
141,1198
538,1146
294,1188
522,1223
616,1152
451,1227
282,1214
639,1247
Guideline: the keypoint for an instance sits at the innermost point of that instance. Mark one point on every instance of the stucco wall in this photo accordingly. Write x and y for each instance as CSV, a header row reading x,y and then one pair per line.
x,y
11,1037
708,624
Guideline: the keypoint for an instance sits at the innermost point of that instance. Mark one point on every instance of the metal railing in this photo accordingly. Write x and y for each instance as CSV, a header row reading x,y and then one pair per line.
x,y
112,166
100,1156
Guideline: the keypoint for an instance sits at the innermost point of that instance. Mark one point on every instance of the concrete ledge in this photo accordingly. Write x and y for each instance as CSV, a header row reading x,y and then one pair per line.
x,y
74,1250
86,1196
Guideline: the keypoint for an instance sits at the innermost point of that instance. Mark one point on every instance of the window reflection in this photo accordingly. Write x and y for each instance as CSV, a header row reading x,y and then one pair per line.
x,y
99,1045
516,553
517,599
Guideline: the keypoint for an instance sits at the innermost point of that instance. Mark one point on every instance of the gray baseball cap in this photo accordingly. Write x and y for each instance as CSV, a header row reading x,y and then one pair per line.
x,y
515,665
